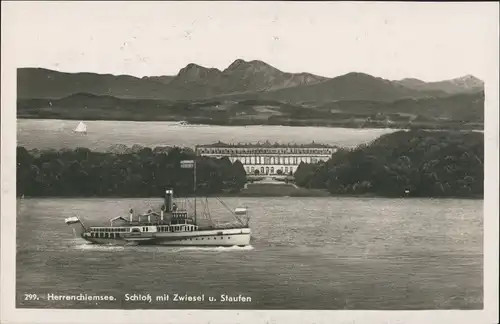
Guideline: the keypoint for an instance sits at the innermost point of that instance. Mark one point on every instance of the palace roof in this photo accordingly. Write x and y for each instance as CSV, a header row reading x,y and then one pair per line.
x,y
267,144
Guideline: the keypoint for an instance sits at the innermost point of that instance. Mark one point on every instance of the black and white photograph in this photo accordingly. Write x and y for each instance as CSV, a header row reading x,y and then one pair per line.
x,y
162,160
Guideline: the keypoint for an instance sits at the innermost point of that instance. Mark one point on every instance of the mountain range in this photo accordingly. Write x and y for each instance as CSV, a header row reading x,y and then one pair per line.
x,y
241,80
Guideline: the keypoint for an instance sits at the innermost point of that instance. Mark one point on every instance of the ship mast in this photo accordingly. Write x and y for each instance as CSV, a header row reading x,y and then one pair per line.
x,y
194,182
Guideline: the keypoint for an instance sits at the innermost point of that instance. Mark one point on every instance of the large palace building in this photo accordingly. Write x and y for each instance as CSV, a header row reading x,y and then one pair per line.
x,y
266,158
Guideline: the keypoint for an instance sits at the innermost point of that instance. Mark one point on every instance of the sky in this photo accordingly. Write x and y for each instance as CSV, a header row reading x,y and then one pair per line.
x,y
429,41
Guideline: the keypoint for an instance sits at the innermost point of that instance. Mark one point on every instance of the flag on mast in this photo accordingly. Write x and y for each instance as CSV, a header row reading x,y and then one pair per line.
x,y
71,220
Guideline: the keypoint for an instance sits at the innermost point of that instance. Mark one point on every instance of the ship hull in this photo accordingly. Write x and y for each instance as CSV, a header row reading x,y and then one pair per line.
x,y
217,237
242,239
105,241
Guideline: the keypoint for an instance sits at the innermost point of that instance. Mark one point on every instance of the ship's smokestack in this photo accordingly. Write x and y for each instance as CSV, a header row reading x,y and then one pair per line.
x,y
169,198
131,215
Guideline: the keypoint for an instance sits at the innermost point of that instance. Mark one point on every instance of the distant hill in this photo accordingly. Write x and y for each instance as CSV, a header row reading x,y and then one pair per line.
x,y
240,80
43,83
453,111
351,86
463,84
165,79
459,107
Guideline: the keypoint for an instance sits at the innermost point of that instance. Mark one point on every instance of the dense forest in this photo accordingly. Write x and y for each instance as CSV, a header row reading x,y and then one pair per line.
x,y
407,163
81,172
412,163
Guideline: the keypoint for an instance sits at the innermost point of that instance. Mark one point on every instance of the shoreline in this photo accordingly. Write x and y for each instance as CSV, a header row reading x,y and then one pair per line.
x,y
257,196
292,123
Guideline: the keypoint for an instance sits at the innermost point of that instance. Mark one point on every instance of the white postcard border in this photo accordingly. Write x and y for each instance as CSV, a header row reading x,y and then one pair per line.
x,y
9,314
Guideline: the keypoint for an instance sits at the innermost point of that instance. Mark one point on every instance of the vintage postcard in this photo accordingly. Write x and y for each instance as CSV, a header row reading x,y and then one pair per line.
x,y
249,162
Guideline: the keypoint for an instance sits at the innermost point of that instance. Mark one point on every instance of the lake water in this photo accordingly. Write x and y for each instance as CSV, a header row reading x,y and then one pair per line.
x,y
39,133
307,253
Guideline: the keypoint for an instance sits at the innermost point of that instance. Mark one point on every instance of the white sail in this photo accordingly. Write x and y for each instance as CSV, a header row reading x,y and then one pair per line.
x,y
81,128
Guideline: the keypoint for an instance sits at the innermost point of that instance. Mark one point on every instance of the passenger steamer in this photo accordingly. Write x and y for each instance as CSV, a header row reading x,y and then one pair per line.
x,y
171,226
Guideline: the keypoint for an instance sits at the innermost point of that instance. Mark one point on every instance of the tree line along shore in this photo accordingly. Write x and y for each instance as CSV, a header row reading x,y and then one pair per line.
x,y
413,163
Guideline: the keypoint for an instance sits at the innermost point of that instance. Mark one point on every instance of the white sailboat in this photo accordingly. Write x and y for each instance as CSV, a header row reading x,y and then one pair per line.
x,y
81,128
